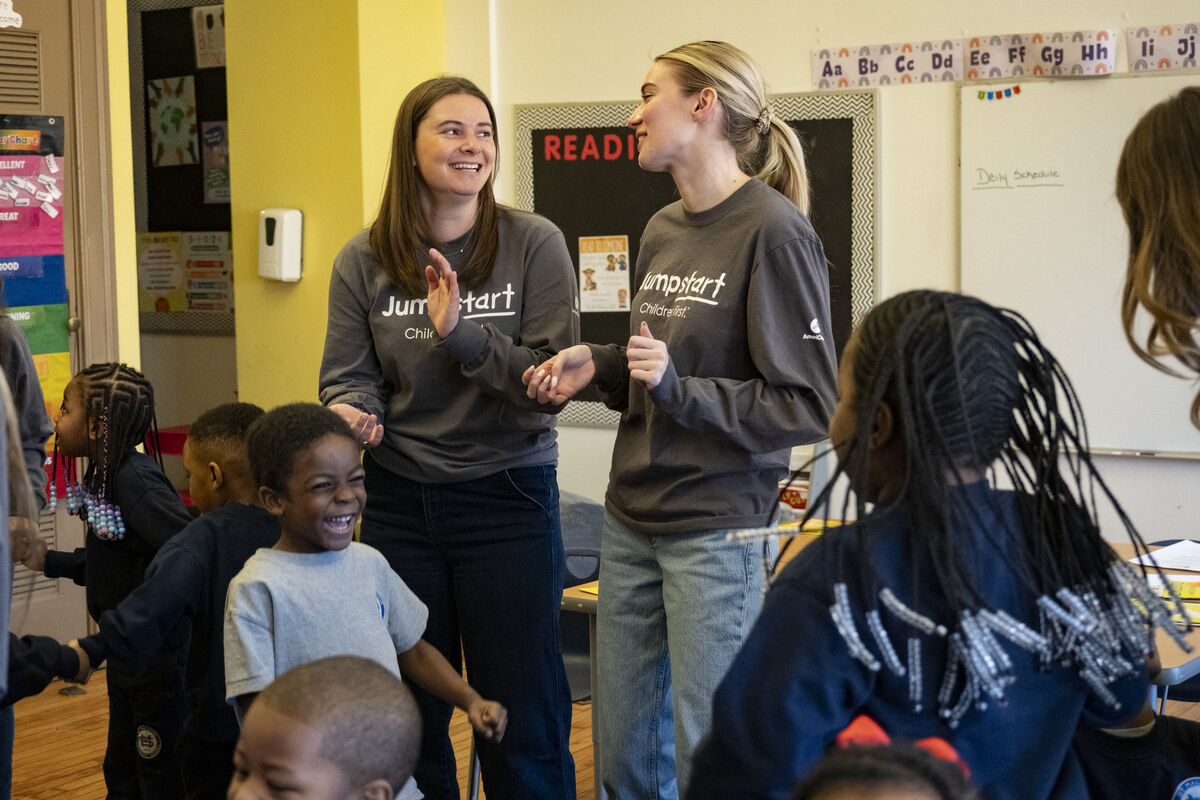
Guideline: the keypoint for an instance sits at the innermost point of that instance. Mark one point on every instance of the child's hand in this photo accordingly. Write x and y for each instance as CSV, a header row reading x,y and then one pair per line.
x,y
85,664
488,718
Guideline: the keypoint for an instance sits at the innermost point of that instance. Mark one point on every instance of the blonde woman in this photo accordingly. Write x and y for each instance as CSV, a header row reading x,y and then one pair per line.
x,y
729,364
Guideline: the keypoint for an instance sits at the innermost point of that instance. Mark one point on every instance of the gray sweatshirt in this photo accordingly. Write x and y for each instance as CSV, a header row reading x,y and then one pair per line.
x,y
740,295
453,409
32,420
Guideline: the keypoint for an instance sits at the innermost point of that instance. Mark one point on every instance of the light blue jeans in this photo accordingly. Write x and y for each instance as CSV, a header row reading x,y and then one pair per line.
x,y
673,612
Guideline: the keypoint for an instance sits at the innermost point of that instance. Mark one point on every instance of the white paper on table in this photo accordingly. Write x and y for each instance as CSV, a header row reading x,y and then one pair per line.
x,y
1181,555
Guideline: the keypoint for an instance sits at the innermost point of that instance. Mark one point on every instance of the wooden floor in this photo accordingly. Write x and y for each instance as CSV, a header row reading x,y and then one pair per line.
x,y
60,744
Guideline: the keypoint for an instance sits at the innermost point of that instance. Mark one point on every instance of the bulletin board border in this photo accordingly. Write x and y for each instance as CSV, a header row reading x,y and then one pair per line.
x,y
861,106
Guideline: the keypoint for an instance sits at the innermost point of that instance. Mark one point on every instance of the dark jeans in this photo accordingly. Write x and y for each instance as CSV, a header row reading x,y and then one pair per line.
x,y
486,557
7,732
145,716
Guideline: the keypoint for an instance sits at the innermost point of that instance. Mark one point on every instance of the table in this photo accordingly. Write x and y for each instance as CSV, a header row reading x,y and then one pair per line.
x,y
1177,664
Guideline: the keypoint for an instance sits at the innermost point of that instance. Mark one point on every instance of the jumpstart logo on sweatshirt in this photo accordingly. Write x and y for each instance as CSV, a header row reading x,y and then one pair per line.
x,y
674,288
500,303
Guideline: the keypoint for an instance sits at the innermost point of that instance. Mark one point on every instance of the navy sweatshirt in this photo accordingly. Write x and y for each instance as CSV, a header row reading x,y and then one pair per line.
x,y
153,514
794,686
188,579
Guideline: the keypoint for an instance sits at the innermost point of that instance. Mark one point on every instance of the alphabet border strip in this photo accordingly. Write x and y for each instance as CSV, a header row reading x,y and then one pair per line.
x,y
1048,54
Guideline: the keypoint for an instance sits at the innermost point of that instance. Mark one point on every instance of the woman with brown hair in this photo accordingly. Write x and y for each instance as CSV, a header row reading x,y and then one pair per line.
x,y
435,311
1158,187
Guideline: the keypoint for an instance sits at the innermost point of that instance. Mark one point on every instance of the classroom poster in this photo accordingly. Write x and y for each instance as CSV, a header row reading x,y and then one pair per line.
x,y
603,273
160,272
208,32
1161,47
208,271
171,118
32,259
31,206
214,150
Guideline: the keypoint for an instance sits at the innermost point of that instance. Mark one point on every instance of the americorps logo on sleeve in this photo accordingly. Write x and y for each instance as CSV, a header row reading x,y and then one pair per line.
x,y
815,327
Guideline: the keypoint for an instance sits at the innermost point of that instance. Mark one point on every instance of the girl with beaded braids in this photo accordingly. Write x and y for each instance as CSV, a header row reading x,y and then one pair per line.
x,y
995,619
730,363
130,510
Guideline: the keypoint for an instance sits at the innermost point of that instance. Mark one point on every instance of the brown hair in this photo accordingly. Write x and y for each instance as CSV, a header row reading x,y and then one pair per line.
x,y
1158,187
399,236
766,146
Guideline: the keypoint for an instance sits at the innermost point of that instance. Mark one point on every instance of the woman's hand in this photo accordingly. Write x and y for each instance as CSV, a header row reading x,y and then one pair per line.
x,y
364,426
560,378
443,294
647,357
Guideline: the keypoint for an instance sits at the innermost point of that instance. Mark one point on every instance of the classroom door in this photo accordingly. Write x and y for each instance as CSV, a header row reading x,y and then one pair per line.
x,y
52,65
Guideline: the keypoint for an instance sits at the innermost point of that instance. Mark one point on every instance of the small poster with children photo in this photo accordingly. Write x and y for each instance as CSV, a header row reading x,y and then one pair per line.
x,y
603,273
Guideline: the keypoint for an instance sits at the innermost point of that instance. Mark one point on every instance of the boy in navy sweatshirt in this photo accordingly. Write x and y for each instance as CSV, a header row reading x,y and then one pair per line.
x,y
188,579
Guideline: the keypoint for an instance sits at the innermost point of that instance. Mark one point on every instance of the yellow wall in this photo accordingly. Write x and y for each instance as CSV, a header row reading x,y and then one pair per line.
x,y
121,139
400,44
308,131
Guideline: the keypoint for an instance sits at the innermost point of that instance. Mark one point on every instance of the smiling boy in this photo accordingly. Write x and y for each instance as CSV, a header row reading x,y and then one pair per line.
x,y
317,593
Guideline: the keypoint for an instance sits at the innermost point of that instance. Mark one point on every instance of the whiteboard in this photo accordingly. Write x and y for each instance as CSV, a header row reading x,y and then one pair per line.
x,y
1042,233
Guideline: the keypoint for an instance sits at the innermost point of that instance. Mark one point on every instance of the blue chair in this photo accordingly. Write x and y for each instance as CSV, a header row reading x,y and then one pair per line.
x,y
582,523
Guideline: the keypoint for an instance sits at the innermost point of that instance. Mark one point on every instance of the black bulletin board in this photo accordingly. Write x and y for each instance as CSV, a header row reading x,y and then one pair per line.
x,y
175,194
576,165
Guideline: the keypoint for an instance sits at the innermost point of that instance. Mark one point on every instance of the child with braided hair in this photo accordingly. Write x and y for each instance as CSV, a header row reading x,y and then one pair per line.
x,y
130,510
996,619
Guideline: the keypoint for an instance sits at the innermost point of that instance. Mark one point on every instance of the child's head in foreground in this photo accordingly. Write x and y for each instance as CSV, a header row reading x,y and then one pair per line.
x,y
214,455
884,772
307,465
333,729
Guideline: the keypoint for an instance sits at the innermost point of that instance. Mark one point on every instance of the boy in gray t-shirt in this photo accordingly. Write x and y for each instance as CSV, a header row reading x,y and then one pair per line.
x,y
317,593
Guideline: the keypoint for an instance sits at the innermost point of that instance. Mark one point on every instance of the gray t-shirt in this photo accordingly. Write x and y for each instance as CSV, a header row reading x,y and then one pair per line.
x,y
287,609
740,295
454,409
